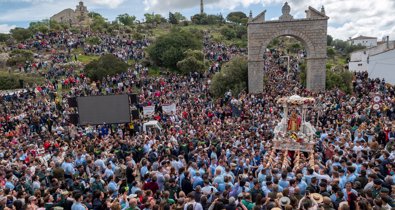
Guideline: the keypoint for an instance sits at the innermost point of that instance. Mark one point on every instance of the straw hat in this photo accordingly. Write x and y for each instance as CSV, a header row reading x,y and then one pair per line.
x,y
317,197
284,201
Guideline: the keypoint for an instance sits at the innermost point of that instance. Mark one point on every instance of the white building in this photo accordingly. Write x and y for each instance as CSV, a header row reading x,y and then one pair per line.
x,y
382,65
378,61
364,41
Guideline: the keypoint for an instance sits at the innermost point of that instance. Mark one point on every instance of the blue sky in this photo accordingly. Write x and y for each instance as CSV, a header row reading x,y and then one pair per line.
x,y
348,18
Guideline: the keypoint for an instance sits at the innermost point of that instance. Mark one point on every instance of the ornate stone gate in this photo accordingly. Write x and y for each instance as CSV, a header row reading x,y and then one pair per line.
x,y
310,31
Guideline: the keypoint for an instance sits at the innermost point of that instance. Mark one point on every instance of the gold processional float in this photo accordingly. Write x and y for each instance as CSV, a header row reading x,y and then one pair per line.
x,y
294,133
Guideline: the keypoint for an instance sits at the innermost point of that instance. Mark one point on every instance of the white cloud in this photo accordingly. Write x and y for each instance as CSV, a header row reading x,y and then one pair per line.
x,y
4,28
170,5
348,18
108,3
38,10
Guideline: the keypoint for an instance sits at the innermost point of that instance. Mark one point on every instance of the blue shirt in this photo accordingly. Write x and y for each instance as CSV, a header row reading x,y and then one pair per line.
x,y
9,185
283,183
197,181
112,186
77,206
68,168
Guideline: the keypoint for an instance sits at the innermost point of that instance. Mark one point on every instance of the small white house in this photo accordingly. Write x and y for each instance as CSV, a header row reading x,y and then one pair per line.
x,y
364,41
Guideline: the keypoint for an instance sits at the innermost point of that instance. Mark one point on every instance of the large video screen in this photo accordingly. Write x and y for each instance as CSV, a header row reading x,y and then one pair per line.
x,y
96,110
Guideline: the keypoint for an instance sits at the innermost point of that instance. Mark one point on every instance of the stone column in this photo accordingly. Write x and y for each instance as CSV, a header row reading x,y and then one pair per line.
x,y
316,74
255,76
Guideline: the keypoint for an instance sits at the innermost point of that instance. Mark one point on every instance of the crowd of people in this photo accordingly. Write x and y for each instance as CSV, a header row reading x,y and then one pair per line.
x,y
211,153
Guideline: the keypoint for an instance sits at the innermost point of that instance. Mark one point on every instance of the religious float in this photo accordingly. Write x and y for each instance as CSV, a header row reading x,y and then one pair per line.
x,y
294,133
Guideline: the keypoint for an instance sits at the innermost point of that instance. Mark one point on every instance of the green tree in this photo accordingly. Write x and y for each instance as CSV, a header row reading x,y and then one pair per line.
x,y
154,18
126,19
179,17
204,19
331,52
4,37
169,49
106,65
21,34
190,64
39,26
237,17
172,19
228,32
99,23
233,76
341,80
193,62
329,40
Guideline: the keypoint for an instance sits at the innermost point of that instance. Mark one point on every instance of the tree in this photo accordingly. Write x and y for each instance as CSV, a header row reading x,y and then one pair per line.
x,y
204,19
154,18
329,40
99,23
126,19
172,19
39,26
21,34
331,52
176,18
228,32
233,76
237,17
341,80
106,65
169,49
179,17
4,37
193,62
190,64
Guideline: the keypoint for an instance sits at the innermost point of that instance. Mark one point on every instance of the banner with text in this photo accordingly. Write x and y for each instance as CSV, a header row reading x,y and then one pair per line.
x,y
168,108
149,110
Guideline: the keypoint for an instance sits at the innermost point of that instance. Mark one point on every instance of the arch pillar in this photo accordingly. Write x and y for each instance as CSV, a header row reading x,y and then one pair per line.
x,y
316,74
255,76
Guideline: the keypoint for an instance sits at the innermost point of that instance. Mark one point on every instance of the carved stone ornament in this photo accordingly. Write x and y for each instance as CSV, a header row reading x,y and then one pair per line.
x,y
286,12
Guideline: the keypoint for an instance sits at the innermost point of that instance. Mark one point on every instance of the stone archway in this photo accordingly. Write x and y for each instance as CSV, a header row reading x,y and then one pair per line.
x,y
311,31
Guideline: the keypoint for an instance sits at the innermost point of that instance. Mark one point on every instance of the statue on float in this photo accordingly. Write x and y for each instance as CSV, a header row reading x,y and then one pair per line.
x,y
294,122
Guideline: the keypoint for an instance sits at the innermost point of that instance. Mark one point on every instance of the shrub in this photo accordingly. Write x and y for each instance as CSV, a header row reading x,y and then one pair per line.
x,y
233,76
93,40
18,57
106,65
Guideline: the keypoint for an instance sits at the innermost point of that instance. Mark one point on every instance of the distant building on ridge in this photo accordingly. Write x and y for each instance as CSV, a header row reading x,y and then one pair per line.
x,y
77,17
364,41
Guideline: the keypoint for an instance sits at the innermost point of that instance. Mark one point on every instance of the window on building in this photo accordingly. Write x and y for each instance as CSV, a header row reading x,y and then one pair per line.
x,y
359,64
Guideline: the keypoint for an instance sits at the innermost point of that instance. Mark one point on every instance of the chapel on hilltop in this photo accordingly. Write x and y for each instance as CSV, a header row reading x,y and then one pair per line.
x,y
77,17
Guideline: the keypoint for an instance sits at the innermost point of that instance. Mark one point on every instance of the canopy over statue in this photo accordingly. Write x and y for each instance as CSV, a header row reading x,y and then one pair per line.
x,y
293,132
